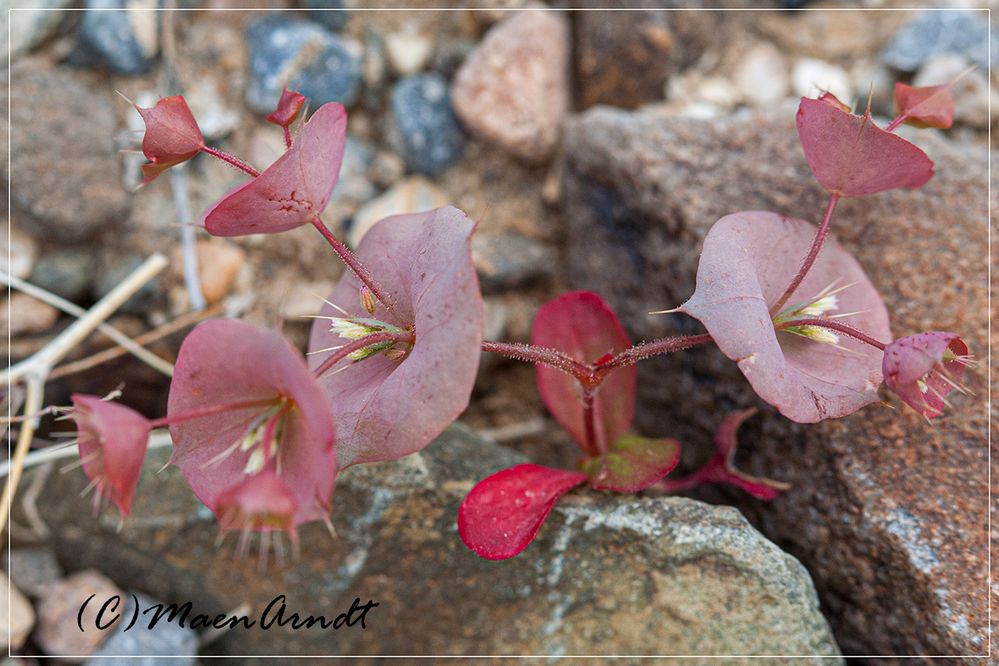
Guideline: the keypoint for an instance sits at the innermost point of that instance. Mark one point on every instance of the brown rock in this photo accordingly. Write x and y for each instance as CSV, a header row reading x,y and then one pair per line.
x,y
22,250
16,617
887,512
513,90
219,262
28,315
58,611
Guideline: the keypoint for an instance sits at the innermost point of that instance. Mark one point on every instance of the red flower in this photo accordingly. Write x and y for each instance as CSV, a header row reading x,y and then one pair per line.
x,y
259,503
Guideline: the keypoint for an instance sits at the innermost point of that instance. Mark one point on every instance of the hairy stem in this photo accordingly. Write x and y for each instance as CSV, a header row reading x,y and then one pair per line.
x,y
813,253
210,411
834,326
593,445
357,345
287,136
896,122
646,350
352,262
231,160
553,358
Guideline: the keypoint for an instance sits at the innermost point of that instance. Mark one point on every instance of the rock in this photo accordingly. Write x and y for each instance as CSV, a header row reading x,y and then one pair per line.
x,y
413,195
971,93
691,93
625,58
839,36
608,573
216,118
812,77
330,13
58,611
322,66
353,188
883,509
386,168
513,90
174,643
430,136
66,272
408,52
34,569
949,31
761,75
22,251
124,42
64,177
17,617
28,315
509,260
219,261
31,24
115,271
304,300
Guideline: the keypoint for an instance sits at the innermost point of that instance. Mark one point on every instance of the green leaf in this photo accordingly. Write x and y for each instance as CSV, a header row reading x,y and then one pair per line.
x,y
632,463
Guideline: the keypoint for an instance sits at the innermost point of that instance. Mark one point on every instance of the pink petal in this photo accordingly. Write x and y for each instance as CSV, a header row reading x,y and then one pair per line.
x,y
584,326
931,106
747,261
294,189
633,463
920,358
225,361
501,515
386,408
172,136
261,502
852,157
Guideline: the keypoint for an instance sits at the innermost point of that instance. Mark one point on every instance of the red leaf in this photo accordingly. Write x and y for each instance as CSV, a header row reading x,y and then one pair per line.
x,y
501,515
288,108
172,136
584,326
633,463
852,157
931,106
388,407
747,261
293,190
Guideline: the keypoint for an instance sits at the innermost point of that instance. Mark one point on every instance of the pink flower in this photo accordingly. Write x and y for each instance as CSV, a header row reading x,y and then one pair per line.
x,y
172,136
112,443
923,368
259,503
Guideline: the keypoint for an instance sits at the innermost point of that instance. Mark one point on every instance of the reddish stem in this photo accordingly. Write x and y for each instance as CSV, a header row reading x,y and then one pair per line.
x,y
835,326
896,122
352,262
542,355
211,411
287,136
646,350
231,160
356,345
593,446
813,253
271,428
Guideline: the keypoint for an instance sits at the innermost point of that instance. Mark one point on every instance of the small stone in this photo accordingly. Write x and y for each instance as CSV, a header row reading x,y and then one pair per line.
x,y
67,272
514,89
32,23
219,262
321,65
408,52
761,75
330,13
266,145
216,118
812,77
304,299
947,31
58,611
22,250
386,168
430,136
34,569
175,644
413,195
509,260
16,618
28,315
971,92
124,42
353,188
116,270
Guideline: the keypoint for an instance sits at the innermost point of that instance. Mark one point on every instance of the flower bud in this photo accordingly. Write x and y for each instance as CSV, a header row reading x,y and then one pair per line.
x,y
923,368
172,136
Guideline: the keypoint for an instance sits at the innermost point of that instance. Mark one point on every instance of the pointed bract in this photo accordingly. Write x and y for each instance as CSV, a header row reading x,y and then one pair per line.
x,y
501,515
923,368
258,503
852,157
293,190
584,326
172,136
112,444
288,108
931,106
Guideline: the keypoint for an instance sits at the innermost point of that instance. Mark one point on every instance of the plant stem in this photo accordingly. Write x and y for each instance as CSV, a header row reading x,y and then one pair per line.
x,y
352,262
32,404
188,245
896,122
287,136
813,253
835,326
356,345
157,440
593,445
553,358
210,411
646,350
231,160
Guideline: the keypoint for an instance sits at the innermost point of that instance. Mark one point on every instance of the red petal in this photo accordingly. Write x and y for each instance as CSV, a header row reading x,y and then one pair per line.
x,y
852,157
288,108
633,463
501,515
172,135
294,189
584,326
931,106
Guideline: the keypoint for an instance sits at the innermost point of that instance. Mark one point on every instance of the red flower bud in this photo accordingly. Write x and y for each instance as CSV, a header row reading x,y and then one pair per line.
x,y
172,136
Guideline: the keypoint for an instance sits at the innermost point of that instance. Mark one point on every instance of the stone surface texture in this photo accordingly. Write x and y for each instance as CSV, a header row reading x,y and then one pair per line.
x,y
888,513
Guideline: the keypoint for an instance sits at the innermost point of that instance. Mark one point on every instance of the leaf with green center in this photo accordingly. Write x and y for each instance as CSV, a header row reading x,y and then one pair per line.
x,y
931,106
502,514
747,261
584,326
852,157
632,463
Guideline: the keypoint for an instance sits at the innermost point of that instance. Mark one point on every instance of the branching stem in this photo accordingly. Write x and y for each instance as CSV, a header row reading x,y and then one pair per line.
x,y
352,262
357,345
834,326
813,253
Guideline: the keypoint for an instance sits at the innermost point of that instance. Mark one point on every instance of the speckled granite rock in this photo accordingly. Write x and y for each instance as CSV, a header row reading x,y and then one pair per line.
x,y
608,574
887,512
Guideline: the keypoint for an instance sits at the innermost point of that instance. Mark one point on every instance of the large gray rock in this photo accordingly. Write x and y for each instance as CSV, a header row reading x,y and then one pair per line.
x,y
887,512
608,574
